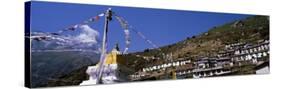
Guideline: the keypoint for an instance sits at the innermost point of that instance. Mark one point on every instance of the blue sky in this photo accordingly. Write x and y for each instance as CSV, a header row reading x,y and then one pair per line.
x,y
163,27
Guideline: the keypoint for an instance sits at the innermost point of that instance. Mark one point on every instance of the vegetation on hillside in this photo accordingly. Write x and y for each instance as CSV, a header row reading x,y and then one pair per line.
x,y
47,66
209,43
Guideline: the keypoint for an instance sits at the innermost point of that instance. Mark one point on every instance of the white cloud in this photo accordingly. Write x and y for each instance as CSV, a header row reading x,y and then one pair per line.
x,y
85,37
88,35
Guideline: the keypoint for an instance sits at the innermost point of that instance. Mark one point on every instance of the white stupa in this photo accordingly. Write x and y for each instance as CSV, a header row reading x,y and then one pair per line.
x,y
109,71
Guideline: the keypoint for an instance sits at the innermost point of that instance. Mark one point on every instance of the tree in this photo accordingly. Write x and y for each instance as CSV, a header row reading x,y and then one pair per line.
x,y
146,50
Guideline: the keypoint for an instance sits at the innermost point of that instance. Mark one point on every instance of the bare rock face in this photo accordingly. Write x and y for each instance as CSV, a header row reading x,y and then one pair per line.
x,y
237,24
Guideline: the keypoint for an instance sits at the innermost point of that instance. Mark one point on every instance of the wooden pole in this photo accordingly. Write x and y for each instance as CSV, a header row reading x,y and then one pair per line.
x,y
108,17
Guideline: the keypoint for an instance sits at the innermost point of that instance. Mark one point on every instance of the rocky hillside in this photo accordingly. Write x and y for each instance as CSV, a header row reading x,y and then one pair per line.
x,y
52,66
209,43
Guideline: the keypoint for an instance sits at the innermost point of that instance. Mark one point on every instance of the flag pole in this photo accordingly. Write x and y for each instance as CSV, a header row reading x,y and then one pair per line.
x,y
108,17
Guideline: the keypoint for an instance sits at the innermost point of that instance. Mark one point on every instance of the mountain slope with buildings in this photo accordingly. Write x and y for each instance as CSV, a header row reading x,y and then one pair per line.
x,y
252,30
